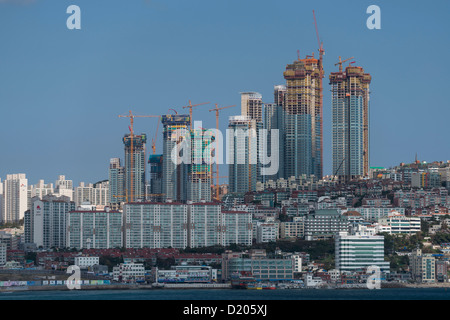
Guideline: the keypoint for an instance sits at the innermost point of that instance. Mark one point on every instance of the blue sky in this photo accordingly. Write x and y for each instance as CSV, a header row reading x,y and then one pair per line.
x,y
61,90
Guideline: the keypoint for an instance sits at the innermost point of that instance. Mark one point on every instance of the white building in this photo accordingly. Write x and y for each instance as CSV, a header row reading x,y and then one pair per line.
x,y
96,194
87,262
372,214
267,232
176,225
91,229
40,190
358,252
204,219
48,221
397,223
129,272
64,187
15,197
297,262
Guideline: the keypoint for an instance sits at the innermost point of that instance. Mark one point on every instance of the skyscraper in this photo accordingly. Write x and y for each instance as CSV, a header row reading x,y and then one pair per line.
x,y
273,119
116,182
350,123
175,176
200,173
242,154
15,197
303,118
135,167
156,177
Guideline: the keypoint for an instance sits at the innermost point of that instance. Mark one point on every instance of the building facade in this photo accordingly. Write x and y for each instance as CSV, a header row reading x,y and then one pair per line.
x,y
356,253
303,137
350,123
94,229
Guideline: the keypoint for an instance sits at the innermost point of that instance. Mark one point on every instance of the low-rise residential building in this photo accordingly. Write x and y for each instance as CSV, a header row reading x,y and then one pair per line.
x,y
292,229
267,232
422,267
397,223
129,272
185,274
323,224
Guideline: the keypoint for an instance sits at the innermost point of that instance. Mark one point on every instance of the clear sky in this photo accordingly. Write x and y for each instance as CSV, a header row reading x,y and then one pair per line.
x,y
61,90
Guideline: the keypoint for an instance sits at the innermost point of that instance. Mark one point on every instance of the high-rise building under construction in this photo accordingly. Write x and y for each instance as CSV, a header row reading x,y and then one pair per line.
x,y
251,105
175,176
302,113
200,169
135,162
350,123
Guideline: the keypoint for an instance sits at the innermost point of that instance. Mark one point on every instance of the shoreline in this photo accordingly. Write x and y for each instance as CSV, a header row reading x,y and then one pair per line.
x,y
124,287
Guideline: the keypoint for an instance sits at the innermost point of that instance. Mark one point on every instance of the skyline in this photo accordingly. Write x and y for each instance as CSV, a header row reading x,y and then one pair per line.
x,y
108,68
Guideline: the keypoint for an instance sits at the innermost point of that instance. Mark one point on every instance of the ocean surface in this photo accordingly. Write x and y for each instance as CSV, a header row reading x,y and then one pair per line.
x,y
228,294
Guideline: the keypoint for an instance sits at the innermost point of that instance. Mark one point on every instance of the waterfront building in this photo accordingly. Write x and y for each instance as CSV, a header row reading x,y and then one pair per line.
x,y
358,252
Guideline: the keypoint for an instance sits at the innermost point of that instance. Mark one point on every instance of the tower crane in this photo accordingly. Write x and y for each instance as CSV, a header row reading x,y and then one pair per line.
x,y
341,62
217,109
190,106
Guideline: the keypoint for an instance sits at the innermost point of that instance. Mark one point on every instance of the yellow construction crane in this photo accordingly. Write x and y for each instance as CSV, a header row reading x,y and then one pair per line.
x,y
217,109
154,139
131,116
190,106
341,62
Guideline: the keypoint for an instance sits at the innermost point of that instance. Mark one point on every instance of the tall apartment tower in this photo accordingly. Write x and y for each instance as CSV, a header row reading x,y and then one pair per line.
x,y
200,169
242,154
273,119
350,123
64,187
135,167
15,198
303,118
116,182
175,176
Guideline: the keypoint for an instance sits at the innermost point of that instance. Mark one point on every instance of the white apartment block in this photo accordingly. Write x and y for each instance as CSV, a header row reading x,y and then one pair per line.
x,y
64,187
397,223
267,232
48,219
163,225
90,229
15,198
41,189
204,222
94,194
